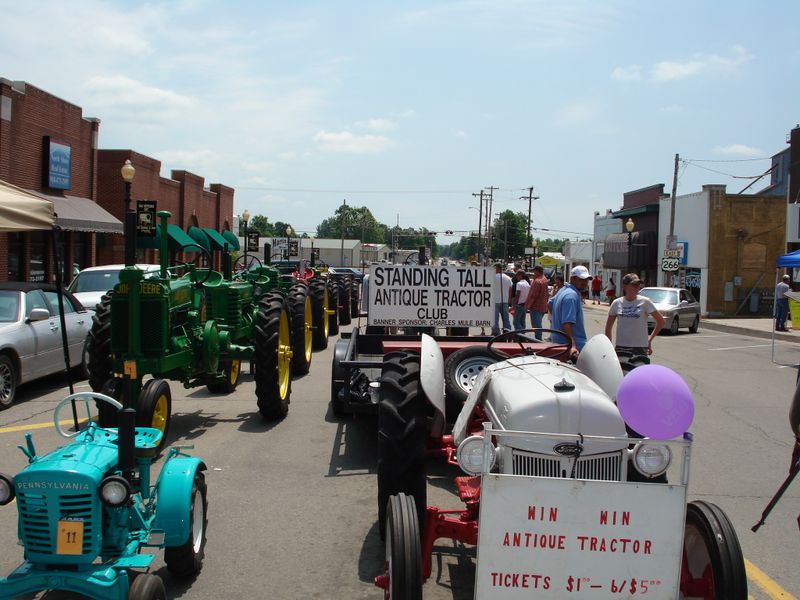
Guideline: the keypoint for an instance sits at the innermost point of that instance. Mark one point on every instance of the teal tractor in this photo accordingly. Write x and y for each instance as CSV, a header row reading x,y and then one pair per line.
x,y
88,509
194,328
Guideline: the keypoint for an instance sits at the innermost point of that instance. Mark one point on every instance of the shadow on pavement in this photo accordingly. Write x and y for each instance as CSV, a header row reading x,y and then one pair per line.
x,y
355,448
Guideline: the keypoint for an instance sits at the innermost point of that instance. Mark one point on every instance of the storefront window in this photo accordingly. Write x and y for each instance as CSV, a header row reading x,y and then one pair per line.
x,y
38,264
15,257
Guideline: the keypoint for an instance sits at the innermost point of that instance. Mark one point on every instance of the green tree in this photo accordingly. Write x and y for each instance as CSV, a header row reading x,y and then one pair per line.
x,y
261,224
509,235
353,222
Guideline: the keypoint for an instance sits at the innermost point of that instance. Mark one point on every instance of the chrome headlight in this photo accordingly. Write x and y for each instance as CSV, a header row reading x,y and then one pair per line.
x,y
651,460
470,455
115,490
6,489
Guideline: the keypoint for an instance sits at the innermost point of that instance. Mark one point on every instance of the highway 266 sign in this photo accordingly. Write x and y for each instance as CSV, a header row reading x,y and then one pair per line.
x,y
670,263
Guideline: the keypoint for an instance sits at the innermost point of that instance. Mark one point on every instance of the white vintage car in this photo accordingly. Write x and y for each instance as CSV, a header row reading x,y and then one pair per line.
x,y
562,497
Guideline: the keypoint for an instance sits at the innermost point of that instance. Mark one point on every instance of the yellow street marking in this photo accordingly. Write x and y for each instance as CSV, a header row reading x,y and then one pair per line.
x,y
763,581
37,426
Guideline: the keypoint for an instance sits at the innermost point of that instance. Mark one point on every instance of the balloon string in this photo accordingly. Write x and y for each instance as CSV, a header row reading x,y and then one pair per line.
x,y
577,456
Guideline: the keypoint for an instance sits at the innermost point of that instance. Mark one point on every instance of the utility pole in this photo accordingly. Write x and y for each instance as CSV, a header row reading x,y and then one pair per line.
x,y
489,218
480,221
341,226
671,242
530,198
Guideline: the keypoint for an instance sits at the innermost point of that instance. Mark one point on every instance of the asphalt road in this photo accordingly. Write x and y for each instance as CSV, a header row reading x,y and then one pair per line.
x,y
292,505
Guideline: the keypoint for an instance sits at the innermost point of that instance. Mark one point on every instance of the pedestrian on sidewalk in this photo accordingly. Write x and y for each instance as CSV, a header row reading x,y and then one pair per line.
x,y
536,302
630,312
500,291
611,290
520,296
597,287
782,303
566,312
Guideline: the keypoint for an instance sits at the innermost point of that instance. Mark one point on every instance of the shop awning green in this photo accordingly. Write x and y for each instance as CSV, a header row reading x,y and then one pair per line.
x,y
199,236
217,241
178,239
232,240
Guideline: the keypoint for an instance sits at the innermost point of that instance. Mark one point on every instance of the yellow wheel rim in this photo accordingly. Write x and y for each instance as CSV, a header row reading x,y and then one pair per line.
x,y
308,334
160,415
284,355
325,312
233,377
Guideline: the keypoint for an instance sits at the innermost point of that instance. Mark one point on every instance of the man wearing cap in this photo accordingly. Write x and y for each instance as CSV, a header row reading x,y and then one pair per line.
x,y
567,310
500,293
782,303
630,311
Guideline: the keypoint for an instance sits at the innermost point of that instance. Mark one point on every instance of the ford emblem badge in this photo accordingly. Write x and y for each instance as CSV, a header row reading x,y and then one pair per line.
x,y
568,449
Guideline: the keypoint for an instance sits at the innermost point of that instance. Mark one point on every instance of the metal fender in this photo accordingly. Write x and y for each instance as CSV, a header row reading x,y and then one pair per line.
x,y
431,372
598,361
174,495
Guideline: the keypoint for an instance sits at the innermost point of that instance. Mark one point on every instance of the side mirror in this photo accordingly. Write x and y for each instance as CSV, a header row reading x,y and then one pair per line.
x,y
38,314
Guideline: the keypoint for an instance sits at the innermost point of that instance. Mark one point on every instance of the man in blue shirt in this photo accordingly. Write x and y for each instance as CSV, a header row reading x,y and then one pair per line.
x,y
567,310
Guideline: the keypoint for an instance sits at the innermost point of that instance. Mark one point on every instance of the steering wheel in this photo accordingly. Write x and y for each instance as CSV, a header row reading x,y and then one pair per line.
x,y
193,265
407,261
246,265
518,337
86,397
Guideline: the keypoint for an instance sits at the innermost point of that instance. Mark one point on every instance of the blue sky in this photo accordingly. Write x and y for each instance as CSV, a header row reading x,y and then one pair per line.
x,y
410,107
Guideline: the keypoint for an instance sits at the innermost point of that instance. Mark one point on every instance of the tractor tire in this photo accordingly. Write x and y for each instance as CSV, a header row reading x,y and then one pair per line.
x,y
155,408
186,560
147,586
320,304
232,369
345,300
273,357
712,554
402,435
339,377
355,301
8,381
100,365
403,549
461,369
300,318
335,295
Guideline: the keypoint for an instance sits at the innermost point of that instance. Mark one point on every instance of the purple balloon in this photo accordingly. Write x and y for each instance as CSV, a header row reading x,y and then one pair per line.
x,y
655,402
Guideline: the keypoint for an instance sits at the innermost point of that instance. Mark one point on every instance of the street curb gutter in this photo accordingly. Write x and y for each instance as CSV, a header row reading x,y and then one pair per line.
x,y
724,327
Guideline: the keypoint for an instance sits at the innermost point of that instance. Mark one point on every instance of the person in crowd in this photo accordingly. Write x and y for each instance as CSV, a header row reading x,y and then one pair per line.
x,y
630,312
782,303
611,290
500,292
566,311
597,287
520,296
536,302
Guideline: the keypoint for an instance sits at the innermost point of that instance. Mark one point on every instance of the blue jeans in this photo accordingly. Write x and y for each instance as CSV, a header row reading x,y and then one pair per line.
x,y
536,322
519,316
781,312
501,310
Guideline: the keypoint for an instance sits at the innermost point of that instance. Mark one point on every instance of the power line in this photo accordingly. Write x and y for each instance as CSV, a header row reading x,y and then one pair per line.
x,y
688,162
729,160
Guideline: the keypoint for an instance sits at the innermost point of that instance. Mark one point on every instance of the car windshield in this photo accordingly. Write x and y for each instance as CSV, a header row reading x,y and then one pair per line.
x,y
95,281
660,296
9,306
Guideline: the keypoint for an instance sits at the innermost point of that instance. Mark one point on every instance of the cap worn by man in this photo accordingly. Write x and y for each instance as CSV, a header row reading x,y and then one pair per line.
x,y
631,279
786,278
580,271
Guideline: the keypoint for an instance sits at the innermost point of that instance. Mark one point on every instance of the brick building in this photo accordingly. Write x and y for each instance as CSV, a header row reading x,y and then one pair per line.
x,y
49,148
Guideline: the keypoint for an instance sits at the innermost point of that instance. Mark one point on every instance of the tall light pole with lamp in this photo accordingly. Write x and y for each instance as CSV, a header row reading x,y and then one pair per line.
x,y
245,219
629,228
288,242
535,246
128,172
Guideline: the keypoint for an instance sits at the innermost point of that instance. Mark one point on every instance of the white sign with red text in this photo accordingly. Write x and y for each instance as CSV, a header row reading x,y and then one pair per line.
x,y
571,538
428,296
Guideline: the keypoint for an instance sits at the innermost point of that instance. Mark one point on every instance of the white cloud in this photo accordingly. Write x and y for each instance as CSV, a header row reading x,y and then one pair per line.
x,y
345,141
738,150
701,63
405,114
629,73
202,162
377,124
122,96
461,134
577,113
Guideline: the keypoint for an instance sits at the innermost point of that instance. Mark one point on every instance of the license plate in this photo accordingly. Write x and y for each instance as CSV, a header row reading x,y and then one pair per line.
x,y
70,537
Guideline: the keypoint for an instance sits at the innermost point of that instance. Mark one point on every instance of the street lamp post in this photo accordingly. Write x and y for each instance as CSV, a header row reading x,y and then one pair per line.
x,y
313,258
288,243
535,245
629,227
128,172
245,219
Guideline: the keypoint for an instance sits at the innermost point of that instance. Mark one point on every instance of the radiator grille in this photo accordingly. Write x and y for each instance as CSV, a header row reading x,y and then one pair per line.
x,y
36,515
606,467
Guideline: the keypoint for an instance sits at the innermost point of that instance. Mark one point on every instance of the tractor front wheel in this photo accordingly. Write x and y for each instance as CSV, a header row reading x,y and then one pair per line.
x,y
403,564
273,357
98,349
320,305
147,586
402,434
335,292
301,320
186,560
232,369
155,408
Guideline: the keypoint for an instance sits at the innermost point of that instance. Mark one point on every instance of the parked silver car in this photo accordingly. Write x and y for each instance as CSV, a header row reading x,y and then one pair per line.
x,y
90,284
30,334
677,305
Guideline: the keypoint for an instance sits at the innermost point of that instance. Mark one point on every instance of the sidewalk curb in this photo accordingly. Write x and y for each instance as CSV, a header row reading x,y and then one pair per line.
x,y
767,335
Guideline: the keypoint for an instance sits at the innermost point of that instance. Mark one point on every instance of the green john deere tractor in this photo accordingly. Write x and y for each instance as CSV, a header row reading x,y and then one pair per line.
x,y
194,328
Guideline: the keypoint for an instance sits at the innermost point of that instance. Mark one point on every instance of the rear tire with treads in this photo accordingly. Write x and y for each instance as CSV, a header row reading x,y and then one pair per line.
x,y
301,323
320,304
100,365
273,366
